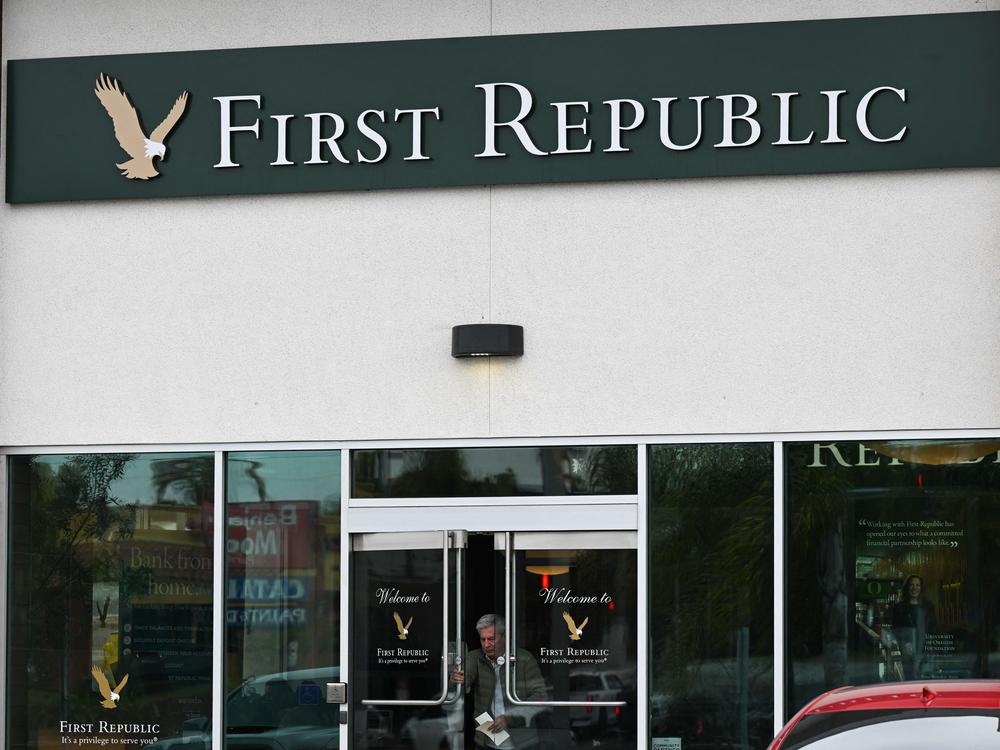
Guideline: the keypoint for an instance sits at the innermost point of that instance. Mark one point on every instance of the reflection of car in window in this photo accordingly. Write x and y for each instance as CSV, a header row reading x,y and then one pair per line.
x,y
285,709
595,687
434,728
898,716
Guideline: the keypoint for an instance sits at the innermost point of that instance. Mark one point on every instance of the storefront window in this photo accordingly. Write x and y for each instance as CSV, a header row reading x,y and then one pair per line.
x,y
282,598
109,599
893,562
495,472
711,595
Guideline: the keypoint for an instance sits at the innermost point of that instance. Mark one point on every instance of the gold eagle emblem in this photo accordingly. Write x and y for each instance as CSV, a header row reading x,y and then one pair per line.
x,y
129,132
575,631
404,630
111,697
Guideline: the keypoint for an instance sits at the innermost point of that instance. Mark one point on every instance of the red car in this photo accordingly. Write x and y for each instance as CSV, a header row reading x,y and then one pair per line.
x,y
932,715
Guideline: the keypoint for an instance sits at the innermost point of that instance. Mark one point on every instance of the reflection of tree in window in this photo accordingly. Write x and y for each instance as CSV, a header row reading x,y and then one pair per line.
x,y
816,534
611,470
444,473
70,511
711,600
108,572
495,472
73,526
252,472
183,481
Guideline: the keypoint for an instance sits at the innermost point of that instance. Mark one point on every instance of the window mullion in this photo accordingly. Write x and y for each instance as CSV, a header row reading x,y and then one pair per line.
x,y
218,601
779,585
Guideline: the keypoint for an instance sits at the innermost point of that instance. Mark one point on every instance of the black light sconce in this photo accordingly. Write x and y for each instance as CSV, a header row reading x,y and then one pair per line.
x,y
487,340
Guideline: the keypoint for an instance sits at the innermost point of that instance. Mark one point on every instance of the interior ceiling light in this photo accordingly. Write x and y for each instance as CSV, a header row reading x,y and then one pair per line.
x,y
935,452
487,340
547,570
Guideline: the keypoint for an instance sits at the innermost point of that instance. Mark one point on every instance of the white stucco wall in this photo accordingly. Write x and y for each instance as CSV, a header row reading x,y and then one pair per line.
x,y
832,302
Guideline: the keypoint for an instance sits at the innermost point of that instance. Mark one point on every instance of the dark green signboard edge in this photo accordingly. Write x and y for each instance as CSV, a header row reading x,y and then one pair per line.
x,y
61,144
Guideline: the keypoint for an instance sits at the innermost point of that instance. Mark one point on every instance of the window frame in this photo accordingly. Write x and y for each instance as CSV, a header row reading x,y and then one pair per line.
x,y
642,443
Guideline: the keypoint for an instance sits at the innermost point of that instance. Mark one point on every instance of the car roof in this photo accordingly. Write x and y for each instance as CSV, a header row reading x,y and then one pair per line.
x,y
328,674
925,694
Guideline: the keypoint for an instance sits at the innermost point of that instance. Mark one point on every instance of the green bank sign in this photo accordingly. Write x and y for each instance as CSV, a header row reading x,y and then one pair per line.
x,y
849,95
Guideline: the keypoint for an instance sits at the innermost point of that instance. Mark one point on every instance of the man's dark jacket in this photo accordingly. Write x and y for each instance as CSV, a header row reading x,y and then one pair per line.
x,y
480,682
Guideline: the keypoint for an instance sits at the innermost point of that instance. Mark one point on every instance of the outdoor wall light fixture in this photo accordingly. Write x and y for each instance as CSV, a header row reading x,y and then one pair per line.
x,y
487,340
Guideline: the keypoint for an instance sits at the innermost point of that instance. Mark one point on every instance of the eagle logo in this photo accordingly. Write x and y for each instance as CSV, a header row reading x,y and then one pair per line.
x,y
404,630
575,631
129,132
111,697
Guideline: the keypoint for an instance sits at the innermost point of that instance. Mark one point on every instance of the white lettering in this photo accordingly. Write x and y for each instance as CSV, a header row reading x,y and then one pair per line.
x,y
107,727
282,157
263,543
563,595
393,596
490,137
833,116
171,588
863,451
286,516
373,135
785,121
226,127
563,126
862,115
665,138
67,727
330,141
638,115
728,118
832,447
416,138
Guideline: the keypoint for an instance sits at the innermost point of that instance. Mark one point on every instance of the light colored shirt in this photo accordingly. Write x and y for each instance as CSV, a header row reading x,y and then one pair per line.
x,y
497,707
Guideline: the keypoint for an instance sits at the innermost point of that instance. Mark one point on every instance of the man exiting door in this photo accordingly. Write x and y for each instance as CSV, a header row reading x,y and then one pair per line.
x,y
509,726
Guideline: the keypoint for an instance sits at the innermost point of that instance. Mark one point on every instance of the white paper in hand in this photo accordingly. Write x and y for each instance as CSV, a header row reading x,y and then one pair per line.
x,y
483,722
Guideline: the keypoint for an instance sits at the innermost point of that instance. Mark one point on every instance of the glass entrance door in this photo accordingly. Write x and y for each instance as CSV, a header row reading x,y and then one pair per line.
x,y
512,640
571,600
406,594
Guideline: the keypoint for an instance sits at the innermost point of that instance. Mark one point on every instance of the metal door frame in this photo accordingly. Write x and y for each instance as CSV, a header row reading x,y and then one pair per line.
x,y
556,521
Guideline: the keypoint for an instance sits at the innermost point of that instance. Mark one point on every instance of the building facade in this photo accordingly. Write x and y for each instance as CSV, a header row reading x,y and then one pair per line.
x,y
751,450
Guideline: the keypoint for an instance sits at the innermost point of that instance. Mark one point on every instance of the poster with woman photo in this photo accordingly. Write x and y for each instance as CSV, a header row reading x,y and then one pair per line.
x,y
911,583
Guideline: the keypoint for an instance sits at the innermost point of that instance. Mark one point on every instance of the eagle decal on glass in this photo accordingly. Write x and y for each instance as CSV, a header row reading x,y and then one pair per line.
x,y
404,630
111,697
575,631
129,132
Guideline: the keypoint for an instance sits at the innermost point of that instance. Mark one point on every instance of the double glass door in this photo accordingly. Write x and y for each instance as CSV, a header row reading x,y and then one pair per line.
x,y
508,640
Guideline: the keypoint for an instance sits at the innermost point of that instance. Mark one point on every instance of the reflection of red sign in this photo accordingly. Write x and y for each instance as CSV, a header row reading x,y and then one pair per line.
x,y
270,535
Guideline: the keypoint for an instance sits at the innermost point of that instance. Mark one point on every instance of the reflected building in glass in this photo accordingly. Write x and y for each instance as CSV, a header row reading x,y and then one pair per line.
x,y
110,603
282,591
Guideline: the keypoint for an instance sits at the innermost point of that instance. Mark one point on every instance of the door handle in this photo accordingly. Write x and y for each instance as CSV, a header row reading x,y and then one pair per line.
x,y
440,700
459,651
511,656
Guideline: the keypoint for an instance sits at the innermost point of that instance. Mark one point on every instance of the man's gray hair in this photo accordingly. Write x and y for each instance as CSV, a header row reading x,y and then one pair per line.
x,y
491,621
